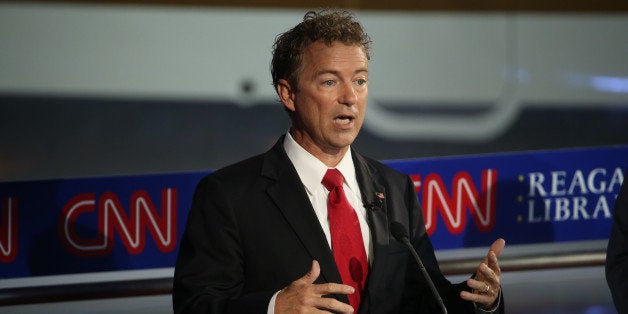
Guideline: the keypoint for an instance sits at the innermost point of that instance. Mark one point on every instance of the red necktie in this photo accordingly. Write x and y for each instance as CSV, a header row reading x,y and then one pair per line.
x,y
346,237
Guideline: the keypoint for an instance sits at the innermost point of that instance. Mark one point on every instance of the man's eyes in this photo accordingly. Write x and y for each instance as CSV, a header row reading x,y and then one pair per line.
x,y
359,82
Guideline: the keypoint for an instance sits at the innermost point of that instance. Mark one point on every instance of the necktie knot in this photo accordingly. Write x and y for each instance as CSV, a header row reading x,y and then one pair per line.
x,y
332,179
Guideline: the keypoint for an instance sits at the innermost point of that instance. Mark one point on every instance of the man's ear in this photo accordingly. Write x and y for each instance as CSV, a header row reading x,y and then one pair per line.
x,y
286,94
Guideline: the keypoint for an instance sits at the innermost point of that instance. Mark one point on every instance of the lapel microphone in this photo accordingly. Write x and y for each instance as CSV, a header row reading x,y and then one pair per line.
x,y
372,206
399,232
377,204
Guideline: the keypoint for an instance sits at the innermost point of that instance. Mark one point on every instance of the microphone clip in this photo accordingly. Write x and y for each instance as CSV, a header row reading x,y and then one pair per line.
x,y
377,204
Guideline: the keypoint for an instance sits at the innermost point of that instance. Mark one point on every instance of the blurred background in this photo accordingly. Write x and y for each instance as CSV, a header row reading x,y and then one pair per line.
x,y
102,88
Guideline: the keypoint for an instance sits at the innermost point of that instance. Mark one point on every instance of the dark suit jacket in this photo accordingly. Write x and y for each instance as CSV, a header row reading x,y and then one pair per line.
x,y
617,252
252,231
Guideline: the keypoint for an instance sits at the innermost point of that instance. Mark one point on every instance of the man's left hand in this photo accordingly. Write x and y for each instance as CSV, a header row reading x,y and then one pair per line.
x,y
486,282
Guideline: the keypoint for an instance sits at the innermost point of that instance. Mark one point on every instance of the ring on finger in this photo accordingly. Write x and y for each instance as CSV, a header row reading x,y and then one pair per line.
x,y
487,289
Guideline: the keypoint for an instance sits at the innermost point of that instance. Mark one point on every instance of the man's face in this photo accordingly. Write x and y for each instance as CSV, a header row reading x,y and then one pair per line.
x,y
329,103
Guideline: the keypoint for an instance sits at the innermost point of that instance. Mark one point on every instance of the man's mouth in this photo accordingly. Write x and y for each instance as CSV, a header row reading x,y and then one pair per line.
x,y
343,119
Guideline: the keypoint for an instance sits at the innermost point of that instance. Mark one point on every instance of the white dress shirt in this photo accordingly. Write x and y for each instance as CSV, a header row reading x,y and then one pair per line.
x,y
311,172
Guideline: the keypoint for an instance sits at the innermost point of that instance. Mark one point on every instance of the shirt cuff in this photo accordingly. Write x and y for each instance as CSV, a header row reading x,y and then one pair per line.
x,y
479,310
271,304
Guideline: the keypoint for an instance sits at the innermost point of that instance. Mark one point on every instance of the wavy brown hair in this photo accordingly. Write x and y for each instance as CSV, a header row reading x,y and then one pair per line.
x,y
328,26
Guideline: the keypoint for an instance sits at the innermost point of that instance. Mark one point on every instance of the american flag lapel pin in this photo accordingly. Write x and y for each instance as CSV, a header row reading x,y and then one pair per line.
x,y
380,199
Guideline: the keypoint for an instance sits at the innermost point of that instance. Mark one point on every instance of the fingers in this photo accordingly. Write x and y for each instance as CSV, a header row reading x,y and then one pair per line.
x,y
493,263
327,288
480,286
498,246
331,304
485,293
323,289
484,301
485,287
491,258
303,296
485,277
486,273
311,275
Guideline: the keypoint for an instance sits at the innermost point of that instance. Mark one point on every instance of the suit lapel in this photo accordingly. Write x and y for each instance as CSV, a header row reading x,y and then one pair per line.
x,y
374,199
290,196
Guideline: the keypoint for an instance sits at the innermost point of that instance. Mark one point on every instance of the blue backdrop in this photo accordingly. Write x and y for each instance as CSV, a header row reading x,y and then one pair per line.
x,y
134,222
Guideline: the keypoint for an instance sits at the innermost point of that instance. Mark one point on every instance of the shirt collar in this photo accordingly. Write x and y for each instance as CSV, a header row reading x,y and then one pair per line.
x,y
311,170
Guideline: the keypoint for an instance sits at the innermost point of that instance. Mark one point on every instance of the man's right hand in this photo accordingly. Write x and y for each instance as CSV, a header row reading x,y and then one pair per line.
x,y
303,296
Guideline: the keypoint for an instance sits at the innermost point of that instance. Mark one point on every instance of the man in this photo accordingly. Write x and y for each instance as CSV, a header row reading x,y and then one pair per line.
x,y
273,234
617,252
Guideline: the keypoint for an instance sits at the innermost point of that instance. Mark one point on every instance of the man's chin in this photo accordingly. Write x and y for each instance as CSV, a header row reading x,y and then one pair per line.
x,y
345,140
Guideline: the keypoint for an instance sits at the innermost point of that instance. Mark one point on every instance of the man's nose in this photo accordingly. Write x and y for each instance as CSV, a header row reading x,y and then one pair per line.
x,y
349,95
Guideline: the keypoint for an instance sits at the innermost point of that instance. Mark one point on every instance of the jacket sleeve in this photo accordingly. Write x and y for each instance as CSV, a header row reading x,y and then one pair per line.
x,y
209,274
450,293
617,252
